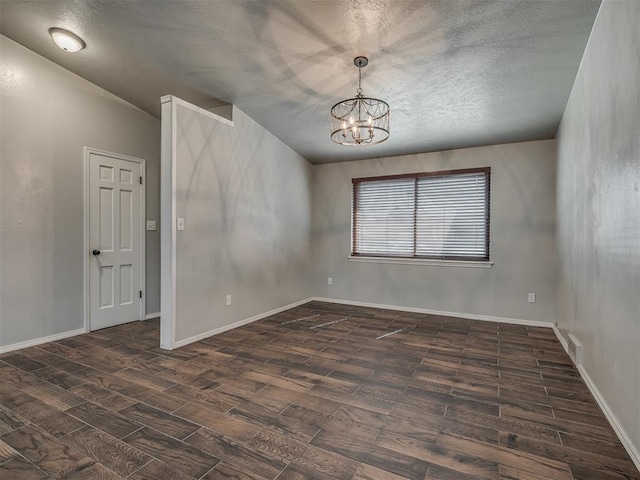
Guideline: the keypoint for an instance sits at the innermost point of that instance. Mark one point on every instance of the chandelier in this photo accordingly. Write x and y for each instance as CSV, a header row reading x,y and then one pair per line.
x,y
361,120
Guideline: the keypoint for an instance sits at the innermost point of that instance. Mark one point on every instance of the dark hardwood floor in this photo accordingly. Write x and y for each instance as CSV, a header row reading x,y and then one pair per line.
x,y
321,391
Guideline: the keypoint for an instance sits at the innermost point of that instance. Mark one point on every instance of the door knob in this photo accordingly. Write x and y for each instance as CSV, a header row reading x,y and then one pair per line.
x,y
96,252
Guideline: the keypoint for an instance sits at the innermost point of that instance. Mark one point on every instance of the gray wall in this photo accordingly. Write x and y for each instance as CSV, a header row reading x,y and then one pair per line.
x,y
48,115
246,200
522,237
599,211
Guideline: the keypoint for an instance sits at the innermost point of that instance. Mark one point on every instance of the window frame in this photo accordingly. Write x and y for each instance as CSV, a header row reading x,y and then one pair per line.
x,y
422,259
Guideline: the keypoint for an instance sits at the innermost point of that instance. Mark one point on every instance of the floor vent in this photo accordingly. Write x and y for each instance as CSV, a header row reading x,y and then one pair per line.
x,y
575,349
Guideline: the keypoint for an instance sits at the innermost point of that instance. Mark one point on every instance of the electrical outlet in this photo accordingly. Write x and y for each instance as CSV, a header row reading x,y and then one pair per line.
x,y
532,298
329,281
228,299
151,225
180,223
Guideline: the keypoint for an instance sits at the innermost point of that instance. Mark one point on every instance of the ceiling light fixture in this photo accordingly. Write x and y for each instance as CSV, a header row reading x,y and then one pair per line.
x,y
66,40
361,120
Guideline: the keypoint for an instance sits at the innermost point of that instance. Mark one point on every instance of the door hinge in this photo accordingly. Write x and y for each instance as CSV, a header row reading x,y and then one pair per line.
x,y
140,293
140,180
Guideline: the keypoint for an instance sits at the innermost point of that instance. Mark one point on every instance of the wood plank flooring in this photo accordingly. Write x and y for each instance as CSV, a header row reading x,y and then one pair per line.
x,y
321,391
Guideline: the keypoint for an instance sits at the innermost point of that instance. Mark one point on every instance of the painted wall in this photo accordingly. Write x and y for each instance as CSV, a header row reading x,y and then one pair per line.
x,y
522,237
599,212
246,200
48,115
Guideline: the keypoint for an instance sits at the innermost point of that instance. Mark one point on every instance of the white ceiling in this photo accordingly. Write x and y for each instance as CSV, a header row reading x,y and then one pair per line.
x,y
456,73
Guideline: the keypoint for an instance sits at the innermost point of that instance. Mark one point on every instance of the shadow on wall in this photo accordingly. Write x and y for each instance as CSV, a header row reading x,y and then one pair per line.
x,y
522,237
249,213
246,199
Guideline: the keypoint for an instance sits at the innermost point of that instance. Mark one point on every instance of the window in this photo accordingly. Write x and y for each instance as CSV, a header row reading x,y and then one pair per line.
x,y
439,215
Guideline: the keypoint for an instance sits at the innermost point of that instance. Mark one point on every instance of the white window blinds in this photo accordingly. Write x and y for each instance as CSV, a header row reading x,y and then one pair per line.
x,y
442,215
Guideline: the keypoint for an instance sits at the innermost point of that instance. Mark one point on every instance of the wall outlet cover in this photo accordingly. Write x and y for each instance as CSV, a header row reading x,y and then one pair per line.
x,y
228,299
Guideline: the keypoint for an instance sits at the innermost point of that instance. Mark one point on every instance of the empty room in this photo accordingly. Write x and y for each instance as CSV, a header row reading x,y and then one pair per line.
x,y
320,239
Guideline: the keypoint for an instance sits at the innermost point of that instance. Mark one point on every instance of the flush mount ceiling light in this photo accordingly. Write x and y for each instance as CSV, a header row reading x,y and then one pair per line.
x,y
361,120
66,40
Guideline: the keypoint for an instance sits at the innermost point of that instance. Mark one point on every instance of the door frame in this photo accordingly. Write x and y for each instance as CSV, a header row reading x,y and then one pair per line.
x,y
86,207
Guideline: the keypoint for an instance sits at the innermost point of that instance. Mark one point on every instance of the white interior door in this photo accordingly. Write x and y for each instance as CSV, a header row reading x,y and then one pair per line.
x,y
115,241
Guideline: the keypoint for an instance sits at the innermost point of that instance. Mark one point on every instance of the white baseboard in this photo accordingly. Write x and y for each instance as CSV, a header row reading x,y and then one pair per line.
x,y
149,316
239,323
469,316
631,449
561,339
41,340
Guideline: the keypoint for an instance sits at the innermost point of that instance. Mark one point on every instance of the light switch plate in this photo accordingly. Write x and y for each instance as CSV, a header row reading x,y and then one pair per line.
x,y
151,225
180,223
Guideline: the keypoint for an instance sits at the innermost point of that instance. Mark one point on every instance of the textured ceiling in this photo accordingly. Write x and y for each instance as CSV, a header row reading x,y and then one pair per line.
x,y
456,73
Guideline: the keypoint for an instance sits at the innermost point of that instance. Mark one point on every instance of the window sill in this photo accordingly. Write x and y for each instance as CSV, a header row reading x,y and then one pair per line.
x,y
422,261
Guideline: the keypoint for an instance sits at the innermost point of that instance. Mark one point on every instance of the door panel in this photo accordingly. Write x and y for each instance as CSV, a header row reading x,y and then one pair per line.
x,y
115,220
106,286
126,284
126,218
106,219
